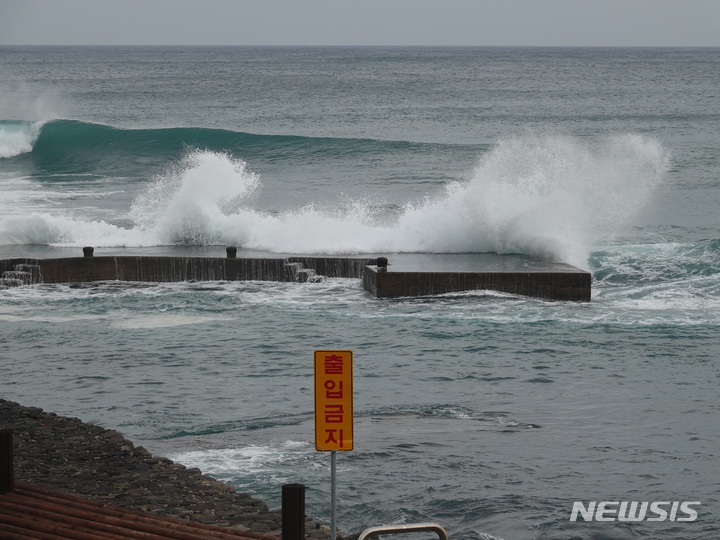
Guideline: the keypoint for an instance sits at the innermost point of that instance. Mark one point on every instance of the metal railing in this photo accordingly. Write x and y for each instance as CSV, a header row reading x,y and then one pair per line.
x,y
374,532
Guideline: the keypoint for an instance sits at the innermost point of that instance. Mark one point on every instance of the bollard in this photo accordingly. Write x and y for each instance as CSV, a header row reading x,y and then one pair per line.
x,y
88,251
231,252
293,512
7,473
382,263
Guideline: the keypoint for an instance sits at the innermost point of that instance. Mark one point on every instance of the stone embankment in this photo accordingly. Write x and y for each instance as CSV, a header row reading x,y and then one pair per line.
x,y
71,456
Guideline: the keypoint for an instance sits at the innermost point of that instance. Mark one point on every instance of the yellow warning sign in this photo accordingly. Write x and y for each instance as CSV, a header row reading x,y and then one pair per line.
x,y
333,400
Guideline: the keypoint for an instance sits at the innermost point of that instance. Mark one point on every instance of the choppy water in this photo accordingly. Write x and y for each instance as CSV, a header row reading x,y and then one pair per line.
x,y
488,413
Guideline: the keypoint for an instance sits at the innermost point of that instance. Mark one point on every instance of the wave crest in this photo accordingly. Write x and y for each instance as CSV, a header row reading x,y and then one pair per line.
x,y
17,137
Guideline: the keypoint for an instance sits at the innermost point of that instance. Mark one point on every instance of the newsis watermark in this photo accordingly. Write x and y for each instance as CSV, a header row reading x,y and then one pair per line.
x,y
635,511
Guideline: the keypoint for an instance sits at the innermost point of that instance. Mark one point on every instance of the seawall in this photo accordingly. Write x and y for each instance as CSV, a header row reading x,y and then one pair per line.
x,y
415,275
405,275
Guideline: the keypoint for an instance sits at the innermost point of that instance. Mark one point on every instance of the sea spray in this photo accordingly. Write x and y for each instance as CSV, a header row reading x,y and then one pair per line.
x,y
17,137
535,193
67,230
24,110
541,194
189,204
203,200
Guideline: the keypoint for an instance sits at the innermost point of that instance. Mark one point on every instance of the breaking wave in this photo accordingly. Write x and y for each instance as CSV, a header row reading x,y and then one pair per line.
x,y
77,145
535,193
17,137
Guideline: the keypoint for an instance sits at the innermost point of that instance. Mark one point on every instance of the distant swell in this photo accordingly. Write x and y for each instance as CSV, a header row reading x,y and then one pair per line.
x,y
74,146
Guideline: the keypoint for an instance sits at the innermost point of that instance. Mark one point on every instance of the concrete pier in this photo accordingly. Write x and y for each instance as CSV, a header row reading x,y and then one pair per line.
x,y
427,275
397,275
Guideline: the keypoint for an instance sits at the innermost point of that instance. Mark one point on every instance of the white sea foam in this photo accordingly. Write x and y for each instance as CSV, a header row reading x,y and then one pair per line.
x,y
541,194
239,465
161,321
194,202
48,318
253,458
546,195
18,137
66,230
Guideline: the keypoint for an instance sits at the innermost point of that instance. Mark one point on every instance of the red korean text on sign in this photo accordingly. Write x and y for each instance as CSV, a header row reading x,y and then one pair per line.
x,y
333,400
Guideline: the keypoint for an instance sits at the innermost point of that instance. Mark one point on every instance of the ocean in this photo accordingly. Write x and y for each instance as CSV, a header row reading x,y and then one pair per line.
x,y
490,414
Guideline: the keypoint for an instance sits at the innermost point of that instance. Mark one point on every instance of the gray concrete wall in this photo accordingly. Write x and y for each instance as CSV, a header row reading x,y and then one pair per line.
x,y
159,269
549,285
559,282
168,269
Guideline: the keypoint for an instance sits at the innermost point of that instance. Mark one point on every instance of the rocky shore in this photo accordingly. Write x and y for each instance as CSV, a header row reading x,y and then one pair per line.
x,y
71,456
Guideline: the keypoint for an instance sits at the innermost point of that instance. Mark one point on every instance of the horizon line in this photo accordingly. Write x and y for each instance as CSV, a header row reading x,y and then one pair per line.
x,y
356,46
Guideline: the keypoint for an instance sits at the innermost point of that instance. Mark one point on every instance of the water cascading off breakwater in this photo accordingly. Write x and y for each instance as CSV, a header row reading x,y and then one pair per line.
x,y
409,275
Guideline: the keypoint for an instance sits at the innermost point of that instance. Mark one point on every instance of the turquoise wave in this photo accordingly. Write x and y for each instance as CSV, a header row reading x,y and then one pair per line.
x,y
75,147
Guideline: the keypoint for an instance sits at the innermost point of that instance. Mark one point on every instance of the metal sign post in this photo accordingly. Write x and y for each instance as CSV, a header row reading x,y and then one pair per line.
x,y
333,494
333,412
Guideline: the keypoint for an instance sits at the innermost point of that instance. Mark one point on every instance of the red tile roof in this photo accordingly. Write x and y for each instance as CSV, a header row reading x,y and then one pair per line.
x,y
30,512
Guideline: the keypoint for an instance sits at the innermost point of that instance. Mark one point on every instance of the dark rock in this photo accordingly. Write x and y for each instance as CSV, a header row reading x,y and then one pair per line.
x,y
70,456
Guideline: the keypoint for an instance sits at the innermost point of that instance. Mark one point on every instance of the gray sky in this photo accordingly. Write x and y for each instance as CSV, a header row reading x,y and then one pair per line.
x,y
361,22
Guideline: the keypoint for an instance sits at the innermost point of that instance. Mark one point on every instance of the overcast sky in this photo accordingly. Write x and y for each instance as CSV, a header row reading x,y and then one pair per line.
x,y
361,22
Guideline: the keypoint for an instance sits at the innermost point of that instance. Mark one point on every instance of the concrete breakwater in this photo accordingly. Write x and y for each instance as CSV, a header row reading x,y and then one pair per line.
x,y
70,456
404,275
423,275
89,268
